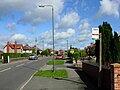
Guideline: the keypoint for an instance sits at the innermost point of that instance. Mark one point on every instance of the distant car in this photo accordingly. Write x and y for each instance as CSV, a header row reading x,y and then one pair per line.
x,y
33,57
93,57
59,56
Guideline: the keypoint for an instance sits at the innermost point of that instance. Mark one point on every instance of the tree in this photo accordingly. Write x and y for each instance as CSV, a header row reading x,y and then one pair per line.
x,y
116,48
33,51
76,55
46,52
82,53
107,38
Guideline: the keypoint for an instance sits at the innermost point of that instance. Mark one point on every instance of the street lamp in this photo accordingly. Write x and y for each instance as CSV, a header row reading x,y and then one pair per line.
x,y
52,30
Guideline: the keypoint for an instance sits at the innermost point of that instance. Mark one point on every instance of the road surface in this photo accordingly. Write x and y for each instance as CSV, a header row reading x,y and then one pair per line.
x,y
14,75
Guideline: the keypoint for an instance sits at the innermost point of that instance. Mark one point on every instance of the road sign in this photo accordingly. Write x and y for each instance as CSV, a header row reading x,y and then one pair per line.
x,y
95,33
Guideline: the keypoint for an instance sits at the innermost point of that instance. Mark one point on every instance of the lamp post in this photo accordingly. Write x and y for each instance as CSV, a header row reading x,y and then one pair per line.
x,y
52,30
36,45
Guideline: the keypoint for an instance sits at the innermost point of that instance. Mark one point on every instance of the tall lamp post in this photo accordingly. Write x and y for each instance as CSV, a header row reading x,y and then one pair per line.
x,y
52,30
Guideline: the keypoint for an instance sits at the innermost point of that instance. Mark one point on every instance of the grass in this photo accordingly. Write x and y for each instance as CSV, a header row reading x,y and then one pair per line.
x,y
57,62
51,74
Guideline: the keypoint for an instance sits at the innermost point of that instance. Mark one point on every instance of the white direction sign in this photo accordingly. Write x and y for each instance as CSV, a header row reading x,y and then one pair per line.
x,y
95,33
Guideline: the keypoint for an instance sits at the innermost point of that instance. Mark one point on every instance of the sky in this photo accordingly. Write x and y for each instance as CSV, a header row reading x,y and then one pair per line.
x,y
24,21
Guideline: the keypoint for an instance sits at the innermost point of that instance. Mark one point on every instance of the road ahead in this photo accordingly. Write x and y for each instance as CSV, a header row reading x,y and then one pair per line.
x,y
14,75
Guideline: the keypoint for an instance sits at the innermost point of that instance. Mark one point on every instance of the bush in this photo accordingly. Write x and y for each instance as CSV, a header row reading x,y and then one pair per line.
x,y
16,55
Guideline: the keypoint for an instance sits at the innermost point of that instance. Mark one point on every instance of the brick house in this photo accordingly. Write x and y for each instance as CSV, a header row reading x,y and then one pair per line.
x,y
27,49
61,52
17,48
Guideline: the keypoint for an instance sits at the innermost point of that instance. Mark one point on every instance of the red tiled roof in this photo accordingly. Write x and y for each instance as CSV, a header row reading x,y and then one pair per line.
x,y
1,52
27,47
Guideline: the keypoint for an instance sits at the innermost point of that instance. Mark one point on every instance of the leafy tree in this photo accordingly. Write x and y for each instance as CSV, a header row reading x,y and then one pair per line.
x,y
92,51
82,53
33,51
76,55
107,38
70,54
46,52
116,48
76,50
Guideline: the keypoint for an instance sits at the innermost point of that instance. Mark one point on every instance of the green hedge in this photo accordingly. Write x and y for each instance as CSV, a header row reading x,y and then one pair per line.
x,y
15,55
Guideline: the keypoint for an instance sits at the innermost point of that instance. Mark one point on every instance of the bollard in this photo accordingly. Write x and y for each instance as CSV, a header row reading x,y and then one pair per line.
x,y
8,59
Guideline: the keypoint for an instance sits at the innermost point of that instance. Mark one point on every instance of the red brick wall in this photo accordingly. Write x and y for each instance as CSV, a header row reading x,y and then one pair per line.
x,y
92,70
115,70
15,49
8,47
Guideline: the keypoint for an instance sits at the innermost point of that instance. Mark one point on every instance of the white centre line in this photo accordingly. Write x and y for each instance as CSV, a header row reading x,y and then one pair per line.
x,y
5,70
30,62
20,65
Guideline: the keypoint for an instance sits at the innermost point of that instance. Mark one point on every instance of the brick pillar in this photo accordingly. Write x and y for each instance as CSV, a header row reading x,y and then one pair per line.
x,y
7,51
115,77
15,49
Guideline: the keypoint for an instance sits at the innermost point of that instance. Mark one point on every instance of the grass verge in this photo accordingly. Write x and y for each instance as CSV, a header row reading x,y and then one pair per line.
x,y
57,62
51,74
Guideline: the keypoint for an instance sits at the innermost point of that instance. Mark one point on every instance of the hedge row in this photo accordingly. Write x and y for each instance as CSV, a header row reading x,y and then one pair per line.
x,y
15,55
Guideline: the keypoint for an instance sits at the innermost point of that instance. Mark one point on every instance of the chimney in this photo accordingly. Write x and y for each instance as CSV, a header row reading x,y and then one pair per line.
x,y
15,48
8,47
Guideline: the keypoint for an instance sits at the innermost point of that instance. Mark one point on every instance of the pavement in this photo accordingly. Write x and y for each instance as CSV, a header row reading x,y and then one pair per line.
x,y
77,80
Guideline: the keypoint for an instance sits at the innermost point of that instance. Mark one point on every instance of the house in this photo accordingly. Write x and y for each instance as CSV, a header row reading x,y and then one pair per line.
x,y
27,49
51,51
1,52
61,52
36,48
17,48
13,48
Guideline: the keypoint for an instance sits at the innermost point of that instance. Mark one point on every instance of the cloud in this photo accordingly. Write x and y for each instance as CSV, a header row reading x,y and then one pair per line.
x,y
11,26
84,27
84,31
32,30
68,20
64,35
109,8
19,38
29,10
59,36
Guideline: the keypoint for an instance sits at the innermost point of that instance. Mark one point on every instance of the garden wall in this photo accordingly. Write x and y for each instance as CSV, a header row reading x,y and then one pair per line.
x,y
92,70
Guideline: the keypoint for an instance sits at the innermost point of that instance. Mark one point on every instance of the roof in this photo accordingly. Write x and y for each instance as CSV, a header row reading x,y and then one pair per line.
x,y
1,52
34,47
27,47
13,45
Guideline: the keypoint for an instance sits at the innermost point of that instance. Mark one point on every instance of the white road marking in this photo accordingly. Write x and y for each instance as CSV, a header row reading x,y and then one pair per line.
x,y
5,70
30,62
27,81
20,65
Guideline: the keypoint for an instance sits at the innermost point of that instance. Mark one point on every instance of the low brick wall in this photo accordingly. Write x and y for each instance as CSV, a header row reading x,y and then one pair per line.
x,y
92,70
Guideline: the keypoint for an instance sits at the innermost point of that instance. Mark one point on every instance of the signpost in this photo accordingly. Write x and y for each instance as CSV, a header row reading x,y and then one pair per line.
x,y
95,33
98,36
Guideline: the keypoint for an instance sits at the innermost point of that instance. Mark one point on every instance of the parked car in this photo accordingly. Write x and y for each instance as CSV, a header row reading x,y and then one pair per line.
x,y
33,57
59,56
93,57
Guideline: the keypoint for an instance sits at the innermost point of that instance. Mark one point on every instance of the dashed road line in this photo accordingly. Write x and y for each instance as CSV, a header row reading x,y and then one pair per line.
x,y
5,70
20,65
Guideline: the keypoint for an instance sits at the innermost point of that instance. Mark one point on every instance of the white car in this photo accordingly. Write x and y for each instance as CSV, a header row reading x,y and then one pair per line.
x,y
33,57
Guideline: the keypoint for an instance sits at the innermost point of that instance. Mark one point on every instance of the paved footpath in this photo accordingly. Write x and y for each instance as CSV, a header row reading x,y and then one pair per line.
x,y
76,80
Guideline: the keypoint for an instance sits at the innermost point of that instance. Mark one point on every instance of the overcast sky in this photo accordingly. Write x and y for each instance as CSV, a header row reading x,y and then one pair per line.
x,y
23,21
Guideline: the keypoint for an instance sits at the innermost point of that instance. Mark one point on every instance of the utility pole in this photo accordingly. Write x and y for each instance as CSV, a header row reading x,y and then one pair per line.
x,y
100,62
52,31
43,45
67,48
36,45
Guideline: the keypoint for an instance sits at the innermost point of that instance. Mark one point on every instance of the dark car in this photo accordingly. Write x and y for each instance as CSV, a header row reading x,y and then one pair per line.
x,y
59,56
33,57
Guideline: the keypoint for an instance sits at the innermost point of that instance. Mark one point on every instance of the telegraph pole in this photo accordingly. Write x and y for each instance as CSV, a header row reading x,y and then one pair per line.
x,y
100,62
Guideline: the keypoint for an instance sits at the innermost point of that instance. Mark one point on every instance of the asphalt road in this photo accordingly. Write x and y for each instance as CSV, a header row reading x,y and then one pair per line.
x,y
14,75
